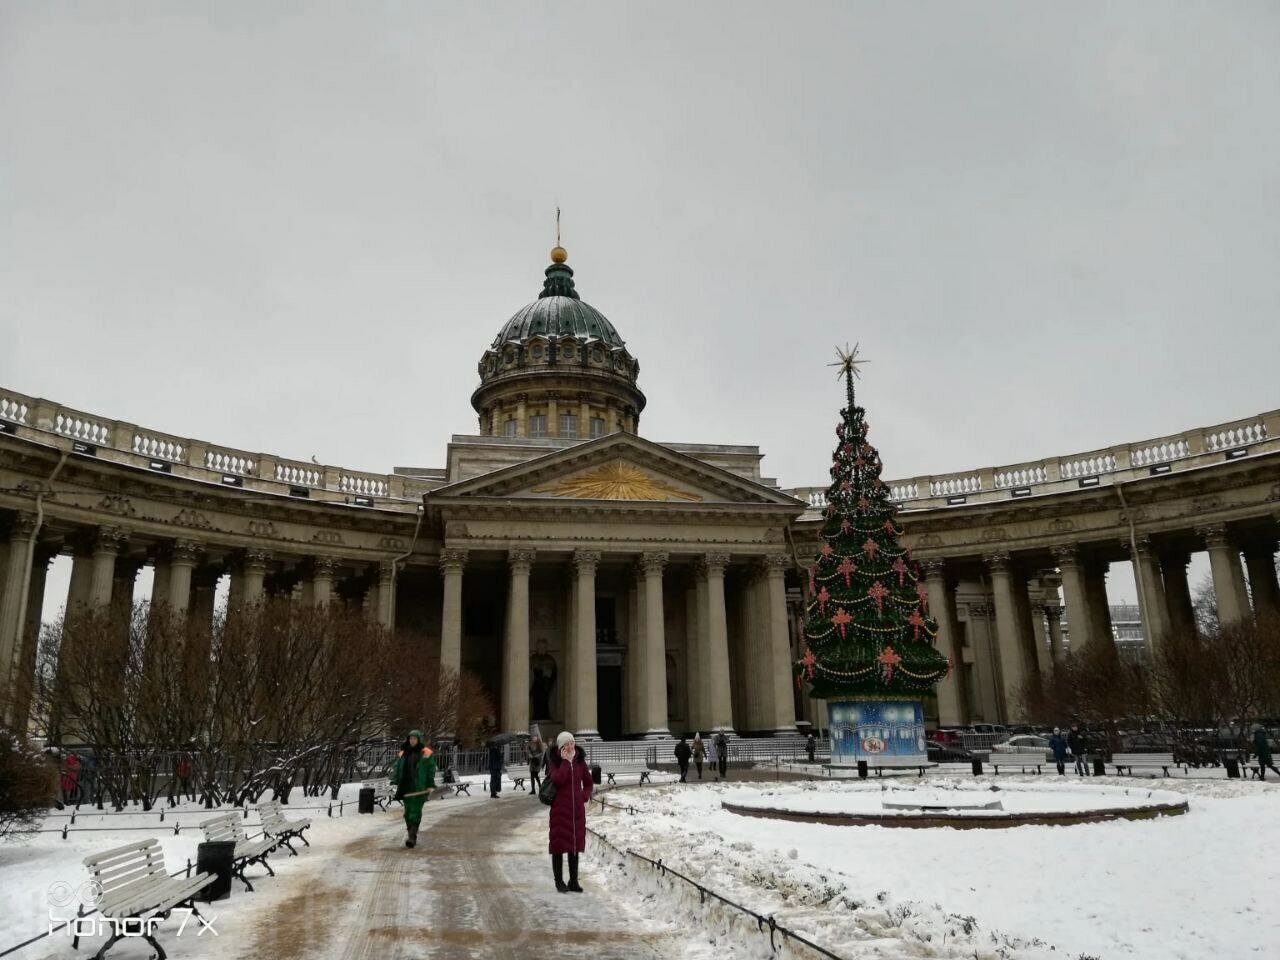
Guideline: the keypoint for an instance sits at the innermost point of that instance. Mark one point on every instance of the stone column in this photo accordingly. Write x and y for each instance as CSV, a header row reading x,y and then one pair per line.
x,y
568,656
778,645
654,694
322,571
1151,600
1224,562
182,561
253,574
637,673
522,416
204,587
160,579
1039,630
715,657
942,607
1182,615
1013,669
515,659
584,644
79,592
694,647
106,546
452,563
22,680
1075,596
1054,615
386,609
584,431
1259,557
13,590
1095,580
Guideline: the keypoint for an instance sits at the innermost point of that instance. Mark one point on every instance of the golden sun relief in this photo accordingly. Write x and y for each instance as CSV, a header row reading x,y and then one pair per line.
x,y
617,480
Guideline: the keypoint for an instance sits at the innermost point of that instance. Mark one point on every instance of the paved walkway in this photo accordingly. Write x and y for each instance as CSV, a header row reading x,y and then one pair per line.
x,y
478,885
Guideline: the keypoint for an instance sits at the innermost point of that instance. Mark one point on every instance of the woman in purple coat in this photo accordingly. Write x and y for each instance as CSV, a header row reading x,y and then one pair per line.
x,y
567,769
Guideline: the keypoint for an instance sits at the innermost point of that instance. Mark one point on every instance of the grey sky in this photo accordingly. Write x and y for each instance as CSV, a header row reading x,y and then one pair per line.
x,y
294,227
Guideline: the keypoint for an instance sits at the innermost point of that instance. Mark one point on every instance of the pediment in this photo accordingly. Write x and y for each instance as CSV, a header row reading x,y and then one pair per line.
x,y
621,468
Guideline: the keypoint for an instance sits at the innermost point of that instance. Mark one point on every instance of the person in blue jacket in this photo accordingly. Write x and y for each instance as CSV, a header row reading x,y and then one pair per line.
x,y
1058,744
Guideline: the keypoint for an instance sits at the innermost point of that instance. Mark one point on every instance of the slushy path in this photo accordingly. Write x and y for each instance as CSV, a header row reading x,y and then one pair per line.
x,y
478,885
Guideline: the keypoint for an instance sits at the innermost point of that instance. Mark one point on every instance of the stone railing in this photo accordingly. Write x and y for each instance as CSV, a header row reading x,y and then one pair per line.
x,y
115,441
1192,448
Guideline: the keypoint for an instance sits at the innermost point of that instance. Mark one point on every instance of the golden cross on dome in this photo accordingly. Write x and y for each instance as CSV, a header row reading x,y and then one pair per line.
x,y
847,360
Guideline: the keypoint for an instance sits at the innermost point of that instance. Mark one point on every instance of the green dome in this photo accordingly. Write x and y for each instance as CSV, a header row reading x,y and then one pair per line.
x,y
559,312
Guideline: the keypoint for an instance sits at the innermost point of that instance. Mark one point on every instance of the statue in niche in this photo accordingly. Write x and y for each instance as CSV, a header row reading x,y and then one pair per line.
x,y
542,686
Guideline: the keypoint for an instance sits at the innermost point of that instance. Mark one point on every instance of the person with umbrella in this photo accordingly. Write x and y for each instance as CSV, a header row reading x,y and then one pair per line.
x,y
495,766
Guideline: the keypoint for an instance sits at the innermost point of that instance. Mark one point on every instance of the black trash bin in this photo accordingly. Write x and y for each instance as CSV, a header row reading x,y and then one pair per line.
x,y
215,857
366,800
595,773
1232,765
862,769
977,766
1099,767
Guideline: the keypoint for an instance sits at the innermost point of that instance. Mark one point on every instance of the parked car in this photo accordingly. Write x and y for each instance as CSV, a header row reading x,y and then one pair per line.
x,y
989,728
947,753
1021,743
946,738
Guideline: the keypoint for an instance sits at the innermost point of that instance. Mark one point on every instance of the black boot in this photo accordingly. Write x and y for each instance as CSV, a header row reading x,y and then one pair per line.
x,y
557,868
573,874
412,839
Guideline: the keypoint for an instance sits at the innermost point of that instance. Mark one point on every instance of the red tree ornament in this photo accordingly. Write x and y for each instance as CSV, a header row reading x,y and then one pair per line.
x,y
845,526
841,621
877,592
826,550
900,569
917,622
809,661
888,659
923,593
889,528
847,569
870,548
823,597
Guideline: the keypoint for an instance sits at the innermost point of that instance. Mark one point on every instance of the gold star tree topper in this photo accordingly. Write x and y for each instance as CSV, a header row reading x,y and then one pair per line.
x,y
848,362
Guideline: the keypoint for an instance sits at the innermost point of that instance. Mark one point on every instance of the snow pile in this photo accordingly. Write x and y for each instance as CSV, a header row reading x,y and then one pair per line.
x,y
1192,886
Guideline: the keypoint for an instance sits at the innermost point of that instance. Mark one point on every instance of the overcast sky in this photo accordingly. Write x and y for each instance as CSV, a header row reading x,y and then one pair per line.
x,y
294,227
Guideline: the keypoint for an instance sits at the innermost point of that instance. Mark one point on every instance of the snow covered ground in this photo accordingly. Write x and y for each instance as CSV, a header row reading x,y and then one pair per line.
x,y
1194,886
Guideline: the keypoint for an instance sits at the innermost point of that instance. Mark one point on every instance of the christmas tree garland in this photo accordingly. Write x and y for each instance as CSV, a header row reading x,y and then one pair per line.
x,y
867,629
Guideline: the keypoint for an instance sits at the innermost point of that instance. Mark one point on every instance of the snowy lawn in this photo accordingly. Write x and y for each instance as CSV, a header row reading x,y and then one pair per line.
x,y
29,865
1199,885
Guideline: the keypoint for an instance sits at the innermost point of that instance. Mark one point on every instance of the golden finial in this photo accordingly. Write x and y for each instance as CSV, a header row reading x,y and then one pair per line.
x,y
558,253
847,360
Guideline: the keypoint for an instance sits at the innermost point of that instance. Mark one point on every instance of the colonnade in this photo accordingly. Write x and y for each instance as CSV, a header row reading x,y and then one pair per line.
x,y
765,648
1029,625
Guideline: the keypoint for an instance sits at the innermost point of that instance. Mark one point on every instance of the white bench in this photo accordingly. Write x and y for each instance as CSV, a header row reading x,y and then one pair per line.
x,y
888,763
275,824
1022,760
228,827
383,792
459,785
1128,761
137,890
519,775
624,768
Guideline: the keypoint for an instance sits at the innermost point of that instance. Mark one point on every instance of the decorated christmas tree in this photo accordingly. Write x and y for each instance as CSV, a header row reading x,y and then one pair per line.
x,y
868,633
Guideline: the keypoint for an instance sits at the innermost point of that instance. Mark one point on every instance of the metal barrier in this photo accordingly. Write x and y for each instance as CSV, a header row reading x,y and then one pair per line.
x,y
764,922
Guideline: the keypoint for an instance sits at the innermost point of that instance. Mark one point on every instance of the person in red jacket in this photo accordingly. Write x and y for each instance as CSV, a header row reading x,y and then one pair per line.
x,y
567,769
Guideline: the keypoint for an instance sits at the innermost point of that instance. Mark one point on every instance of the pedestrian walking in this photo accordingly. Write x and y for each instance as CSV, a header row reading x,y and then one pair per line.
x,y
413,775
495,769
811,746
699,753
567,824
683,753
1075,743
1058,744
722,755
713,757
535,764
1262,751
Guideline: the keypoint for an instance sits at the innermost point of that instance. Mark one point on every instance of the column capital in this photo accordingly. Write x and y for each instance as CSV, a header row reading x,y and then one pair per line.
x,y
452,561
1067,554
109,539
201,576
324,566
23,525
257,558
520,560
185,552
998,561
586,561
935,568
1214,534
387,570
1143,545
776,564
1053,612
652,564
712,563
